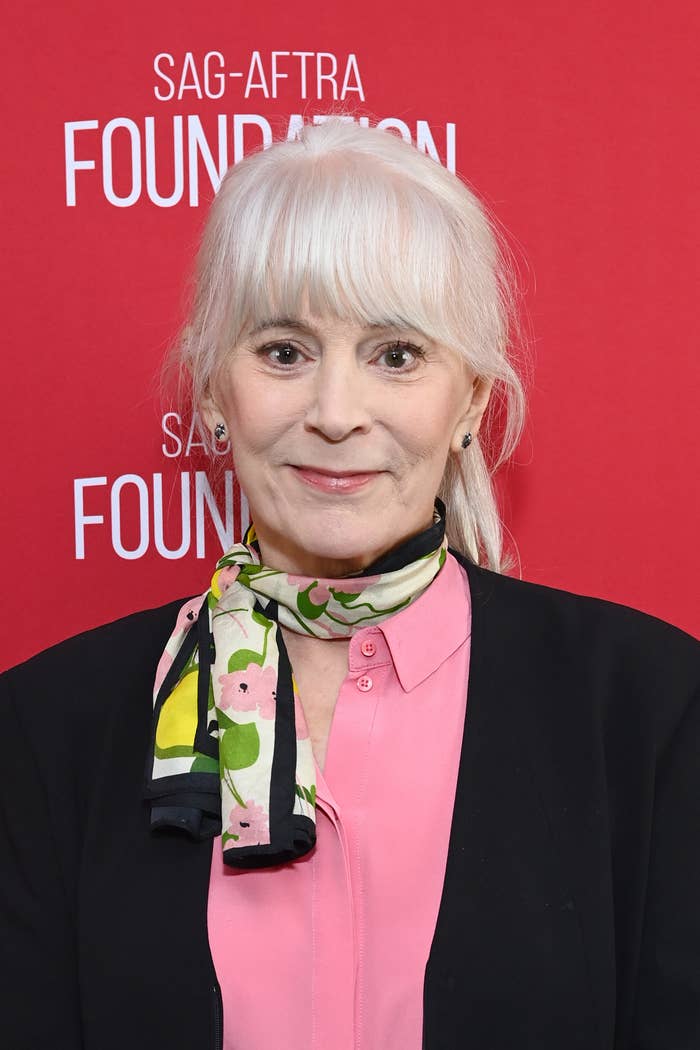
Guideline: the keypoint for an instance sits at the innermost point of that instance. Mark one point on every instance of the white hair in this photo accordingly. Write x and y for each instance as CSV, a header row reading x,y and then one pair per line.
x,y
373,231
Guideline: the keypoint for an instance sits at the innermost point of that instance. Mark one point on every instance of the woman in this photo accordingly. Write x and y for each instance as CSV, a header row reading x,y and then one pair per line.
x,y
392,798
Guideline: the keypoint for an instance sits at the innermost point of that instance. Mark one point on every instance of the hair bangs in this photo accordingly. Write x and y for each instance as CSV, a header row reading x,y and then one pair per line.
x,y
353,242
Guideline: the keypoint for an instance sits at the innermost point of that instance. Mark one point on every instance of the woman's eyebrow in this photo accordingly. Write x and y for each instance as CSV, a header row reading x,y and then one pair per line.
x,y
278,322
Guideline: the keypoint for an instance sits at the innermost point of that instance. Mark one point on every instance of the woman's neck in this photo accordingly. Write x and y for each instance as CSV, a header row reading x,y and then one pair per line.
x,y
320,666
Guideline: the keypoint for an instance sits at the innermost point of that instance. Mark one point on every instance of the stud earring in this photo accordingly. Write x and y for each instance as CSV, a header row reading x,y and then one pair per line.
x,y
467,440
220,431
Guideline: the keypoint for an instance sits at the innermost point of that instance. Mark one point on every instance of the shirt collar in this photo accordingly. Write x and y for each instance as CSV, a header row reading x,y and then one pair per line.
x,y
429,630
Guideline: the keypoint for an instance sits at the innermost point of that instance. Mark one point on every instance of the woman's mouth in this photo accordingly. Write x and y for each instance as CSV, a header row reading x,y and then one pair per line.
x,y
336,482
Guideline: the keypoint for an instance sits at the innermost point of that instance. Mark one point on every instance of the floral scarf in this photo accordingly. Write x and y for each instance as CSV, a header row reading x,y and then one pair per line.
x,y
230,750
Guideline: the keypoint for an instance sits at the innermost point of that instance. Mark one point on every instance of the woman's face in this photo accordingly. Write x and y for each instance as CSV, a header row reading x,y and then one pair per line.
x,y
340,434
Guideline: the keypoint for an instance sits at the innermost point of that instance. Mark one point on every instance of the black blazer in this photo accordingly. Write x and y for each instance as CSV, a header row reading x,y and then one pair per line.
x,y
570,915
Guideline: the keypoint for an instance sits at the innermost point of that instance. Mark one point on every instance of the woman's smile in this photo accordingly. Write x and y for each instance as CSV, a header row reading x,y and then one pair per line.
x,y
335,482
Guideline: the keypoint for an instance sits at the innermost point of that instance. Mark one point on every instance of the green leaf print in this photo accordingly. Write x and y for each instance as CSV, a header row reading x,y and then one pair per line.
x,y
306,607
344,598
223,721
239,746
241,660
309,794
205,764
176,751
255,570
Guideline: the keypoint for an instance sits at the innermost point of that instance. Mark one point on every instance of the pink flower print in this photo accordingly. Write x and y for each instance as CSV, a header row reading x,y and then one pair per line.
x,y
223,578
318,594
246,690
249,824
302,582
320,590
188,614
353,585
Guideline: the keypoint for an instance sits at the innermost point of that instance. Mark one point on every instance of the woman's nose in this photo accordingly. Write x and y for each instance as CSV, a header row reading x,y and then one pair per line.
x,y
338,401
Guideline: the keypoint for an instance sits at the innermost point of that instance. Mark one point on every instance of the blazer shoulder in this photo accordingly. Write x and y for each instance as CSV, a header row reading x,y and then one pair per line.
x,y
630,662
575,613
90,670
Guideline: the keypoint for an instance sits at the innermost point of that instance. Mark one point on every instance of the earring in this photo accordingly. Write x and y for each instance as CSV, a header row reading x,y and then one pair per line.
x,y
467,440
220,431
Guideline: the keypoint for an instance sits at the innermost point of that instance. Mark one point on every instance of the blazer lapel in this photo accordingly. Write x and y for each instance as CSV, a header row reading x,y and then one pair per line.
x,y
508,964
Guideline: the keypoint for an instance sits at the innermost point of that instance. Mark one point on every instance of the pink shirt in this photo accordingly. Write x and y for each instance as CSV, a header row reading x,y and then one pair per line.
x,y
329,953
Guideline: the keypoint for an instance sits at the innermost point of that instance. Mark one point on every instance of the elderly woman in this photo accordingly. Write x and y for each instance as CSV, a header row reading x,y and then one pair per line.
x,y
392,798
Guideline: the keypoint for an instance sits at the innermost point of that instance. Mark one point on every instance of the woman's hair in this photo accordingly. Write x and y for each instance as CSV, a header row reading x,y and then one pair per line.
x,y
373,231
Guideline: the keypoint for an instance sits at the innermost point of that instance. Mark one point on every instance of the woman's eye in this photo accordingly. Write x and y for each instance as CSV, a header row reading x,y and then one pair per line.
x,y
400,356
284,354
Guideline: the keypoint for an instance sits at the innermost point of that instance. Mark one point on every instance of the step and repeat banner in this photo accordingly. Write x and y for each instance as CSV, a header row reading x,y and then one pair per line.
x,y
577,127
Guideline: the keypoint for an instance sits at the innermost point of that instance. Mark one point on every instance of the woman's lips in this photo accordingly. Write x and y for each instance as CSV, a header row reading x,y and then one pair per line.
x,y
335,482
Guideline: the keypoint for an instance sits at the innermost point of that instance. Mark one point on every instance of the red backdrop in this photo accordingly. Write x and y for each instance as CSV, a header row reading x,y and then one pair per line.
x,y
577,124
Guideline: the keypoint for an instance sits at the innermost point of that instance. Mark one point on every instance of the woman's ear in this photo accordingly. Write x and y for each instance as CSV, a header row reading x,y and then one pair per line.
x,y
470,420
209,411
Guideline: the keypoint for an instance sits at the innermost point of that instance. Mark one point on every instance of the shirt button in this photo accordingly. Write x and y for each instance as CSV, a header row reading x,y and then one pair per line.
x,y
364,683
368,648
